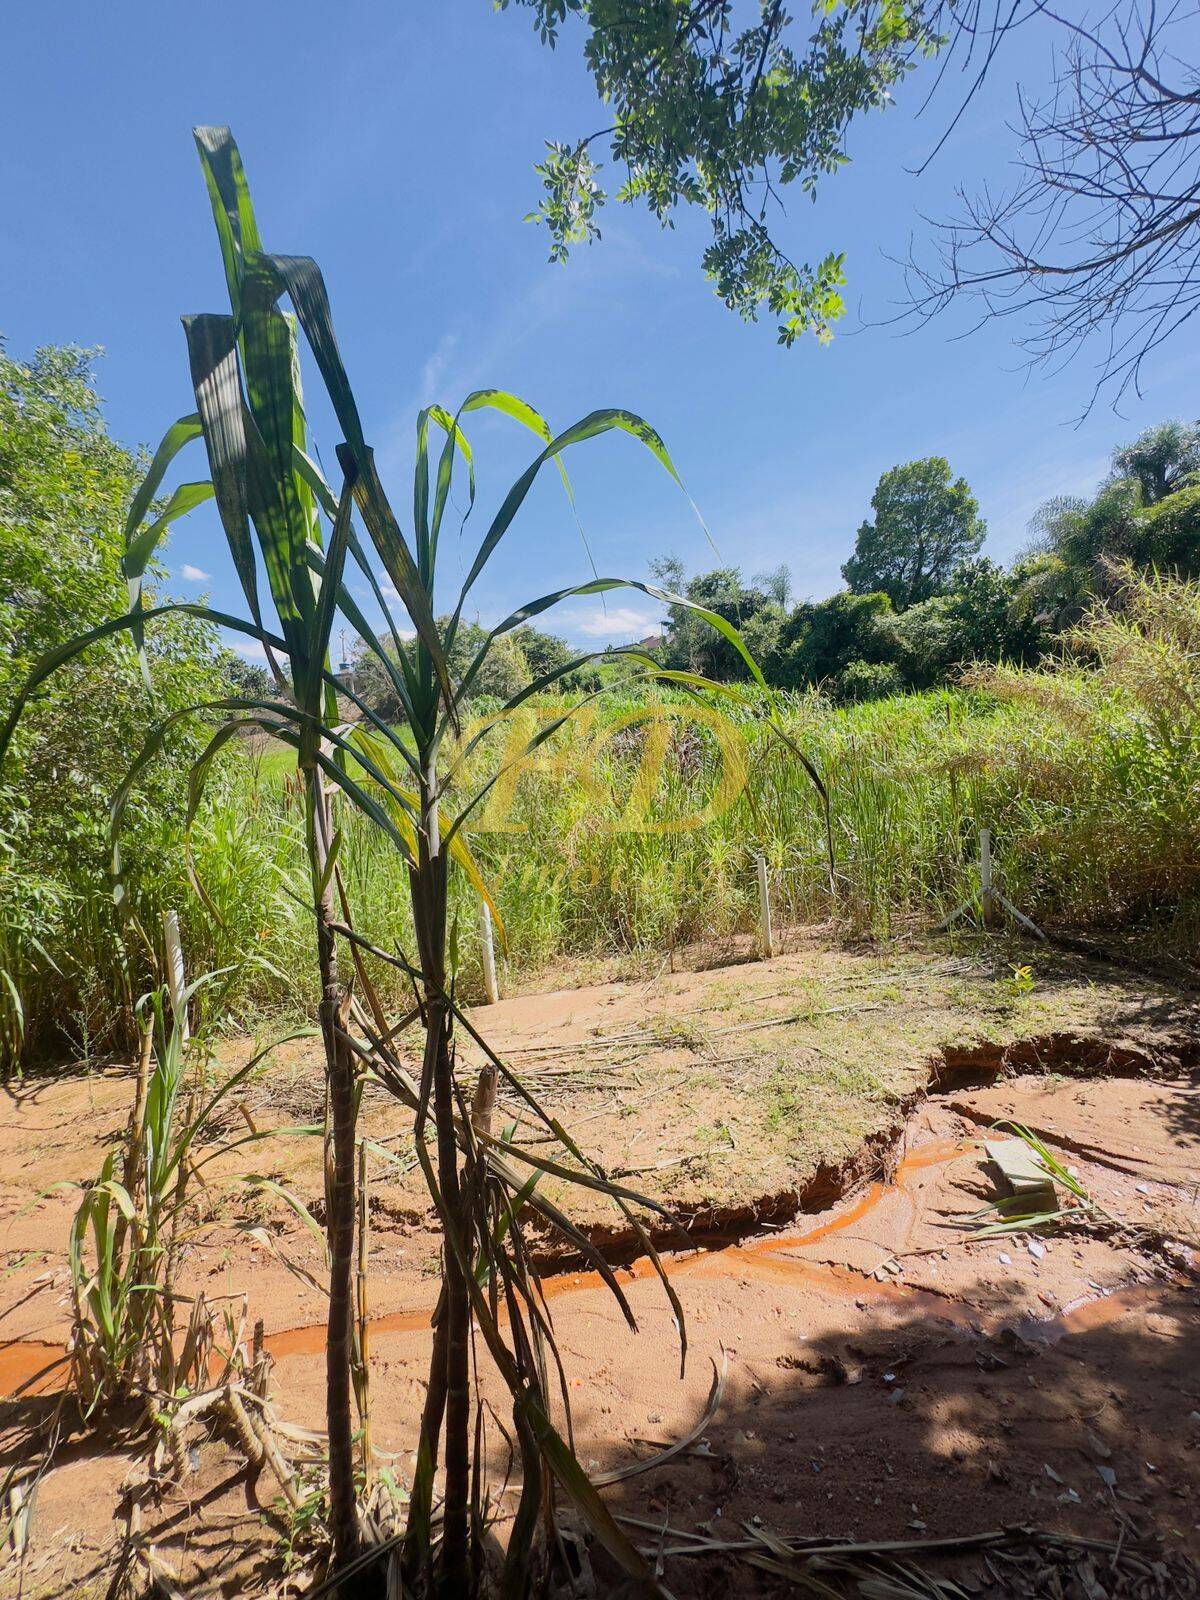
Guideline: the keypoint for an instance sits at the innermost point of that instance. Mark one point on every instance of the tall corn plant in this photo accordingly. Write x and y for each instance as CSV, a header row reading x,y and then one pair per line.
x,y
274,505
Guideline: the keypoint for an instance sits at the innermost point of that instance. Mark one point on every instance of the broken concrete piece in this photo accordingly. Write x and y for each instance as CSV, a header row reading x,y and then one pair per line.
x,y
1017,1170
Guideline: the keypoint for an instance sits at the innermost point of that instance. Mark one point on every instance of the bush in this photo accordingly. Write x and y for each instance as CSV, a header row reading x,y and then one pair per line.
x,y
66,963
868,680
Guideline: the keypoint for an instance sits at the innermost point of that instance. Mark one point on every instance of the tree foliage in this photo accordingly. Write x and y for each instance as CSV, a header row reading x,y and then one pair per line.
x,y
711,113
921,603
976,619
64,488
725,108
926,523
692,645
1162,460
1146,514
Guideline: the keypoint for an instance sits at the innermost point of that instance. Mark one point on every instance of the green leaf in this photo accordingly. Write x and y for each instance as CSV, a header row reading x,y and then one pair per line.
x,y
589,427
301,278
212,357
173,441
233,212
139,545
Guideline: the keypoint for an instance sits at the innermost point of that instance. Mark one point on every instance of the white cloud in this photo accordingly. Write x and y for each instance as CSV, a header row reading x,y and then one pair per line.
x,y
434,369
620,623
191,574
252,649
392,595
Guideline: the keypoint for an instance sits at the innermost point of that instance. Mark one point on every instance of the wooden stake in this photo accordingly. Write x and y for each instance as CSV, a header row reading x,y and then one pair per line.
x,y
490,986
766,936
364,1354
987,895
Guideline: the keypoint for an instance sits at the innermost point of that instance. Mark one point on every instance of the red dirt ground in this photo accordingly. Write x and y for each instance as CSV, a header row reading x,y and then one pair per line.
x,y
890,1375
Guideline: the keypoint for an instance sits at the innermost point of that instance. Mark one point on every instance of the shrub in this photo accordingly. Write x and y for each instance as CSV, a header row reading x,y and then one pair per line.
x,y
868,680
66,965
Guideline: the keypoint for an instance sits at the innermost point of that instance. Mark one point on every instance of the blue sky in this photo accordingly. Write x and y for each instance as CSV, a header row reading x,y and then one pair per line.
x,y
395,142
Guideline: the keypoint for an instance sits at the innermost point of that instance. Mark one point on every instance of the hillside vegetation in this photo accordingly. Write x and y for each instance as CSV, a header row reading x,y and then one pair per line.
x,y
1086,770
1054,703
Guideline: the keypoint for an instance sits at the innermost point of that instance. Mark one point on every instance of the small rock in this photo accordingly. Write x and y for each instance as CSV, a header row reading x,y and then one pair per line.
x,y
1107,1477
1141,1188
917,1524
1036,1249
1004,1259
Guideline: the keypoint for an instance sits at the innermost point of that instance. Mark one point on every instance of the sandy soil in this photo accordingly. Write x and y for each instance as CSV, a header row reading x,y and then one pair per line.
x,y
889,1374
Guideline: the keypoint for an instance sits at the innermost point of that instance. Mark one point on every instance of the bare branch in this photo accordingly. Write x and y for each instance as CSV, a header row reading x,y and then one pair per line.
x,y
1099,238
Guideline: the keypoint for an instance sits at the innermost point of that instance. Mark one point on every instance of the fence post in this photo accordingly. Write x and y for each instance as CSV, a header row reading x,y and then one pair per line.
x,y
987,896
490,986
766,935
176,977
992,901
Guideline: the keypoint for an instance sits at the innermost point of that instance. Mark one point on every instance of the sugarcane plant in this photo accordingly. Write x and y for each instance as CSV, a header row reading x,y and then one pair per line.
x,y
133,1222
278,509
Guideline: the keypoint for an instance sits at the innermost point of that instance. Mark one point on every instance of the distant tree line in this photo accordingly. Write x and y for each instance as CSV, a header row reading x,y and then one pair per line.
x,y
920,601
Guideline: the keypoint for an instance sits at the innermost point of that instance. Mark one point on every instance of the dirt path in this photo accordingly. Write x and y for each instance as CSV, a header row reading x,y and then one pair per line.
x,y
889,1373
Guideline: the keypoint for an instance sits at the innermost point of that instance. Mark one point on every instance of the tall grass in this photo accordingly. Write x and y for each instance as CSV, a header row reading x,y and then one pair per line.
x,y
1087,772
